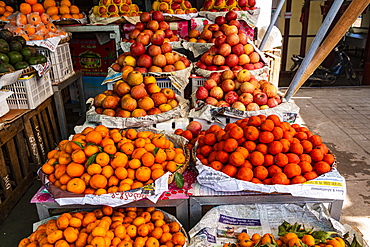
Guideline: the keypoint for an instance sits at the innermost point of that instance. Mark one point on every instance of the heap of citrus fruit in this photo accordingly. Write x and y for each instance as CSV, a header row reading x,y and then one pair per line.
x,y
33,26
265,150
65,10
101,160
5,11
107,226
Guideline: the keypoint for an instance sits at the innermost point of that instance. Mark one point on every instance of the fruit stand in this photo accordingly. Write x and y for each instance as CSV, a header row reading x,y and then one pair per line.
x,y
187,116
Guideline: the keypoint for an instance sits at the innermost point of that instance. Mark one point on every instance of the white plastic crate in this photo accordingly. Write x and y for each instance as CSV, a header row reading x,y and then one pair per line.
x,y
197,82
61,62
29,92
172,124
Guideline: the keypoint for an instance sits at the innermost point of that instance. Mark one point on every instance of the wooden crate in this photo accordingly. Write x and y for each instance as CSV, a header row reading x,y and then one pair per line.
x,y
274,60
25,141
42,131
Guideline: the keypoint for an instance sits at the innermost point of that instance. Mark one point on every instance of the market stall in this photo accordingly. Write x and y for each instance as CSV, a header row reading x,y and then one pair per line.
x,y
187,115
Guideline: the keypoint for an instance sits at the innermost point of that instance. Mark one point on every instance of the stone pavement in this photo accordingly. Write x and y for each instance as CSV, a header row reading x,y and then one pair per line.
x,y
341,116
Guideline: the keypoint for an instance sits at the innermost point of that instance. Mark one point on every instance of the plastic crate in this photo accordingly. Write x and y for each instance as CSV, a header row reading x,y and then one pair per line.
x,y
29,92
61,62
196,81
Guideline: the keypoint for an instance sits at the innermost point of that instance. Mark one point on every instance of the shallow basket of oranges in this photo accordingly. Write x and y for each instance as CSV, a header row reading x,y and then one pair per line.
x,y
101,162
109,226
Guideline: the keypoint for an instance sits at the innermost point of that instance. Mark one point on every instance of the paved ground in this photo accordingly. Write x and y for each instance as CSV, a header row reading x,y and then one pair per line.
x,y
340,115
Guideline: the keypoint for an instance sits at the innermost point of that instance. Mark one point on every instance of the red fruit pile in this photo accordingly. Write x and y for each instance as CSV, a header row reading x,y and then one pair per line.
x,y
151,28
239,90
192,132
226,5
265,150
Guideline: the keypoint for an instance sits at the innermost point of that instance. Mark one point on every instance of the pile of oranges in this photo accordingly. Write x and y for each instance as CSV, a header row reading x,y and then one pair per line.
x,y
5,11
107,226
290,239
265,150
101,160
33,26
65,10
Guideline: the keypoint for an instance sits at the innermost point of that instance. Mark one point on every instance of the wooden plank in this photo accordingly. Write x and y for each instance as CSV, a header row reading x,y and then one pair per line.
x,y
53,122
32,144
23,154
8,204
50,139
14,160
40,134
4,175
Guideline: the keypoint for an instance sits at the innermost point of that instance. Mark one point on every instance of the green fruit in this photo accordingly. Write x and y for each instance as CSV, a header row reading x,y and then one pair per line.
x,y
26,53
42,58
20,39
6,35
4,46
5,67
15,45
21,65
33,60
14,57
4,58
33,50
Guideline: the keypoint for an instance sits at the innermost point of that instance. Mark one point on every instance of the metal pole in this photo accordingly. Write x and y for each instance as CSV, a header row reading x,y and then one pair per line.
x,y
272,23
313,48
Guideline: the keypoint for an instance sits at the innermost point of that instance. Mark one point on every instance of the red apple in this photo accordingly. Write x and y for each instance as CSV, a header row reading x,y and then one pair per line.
x,y
220,20
251,3
249,66
216,93
272,102
201,65
247,87
243,39
168,33
170,94
235,23
224,49
231,97
212,68
209,84
228,85
253,107
213,50
231,15
242,3
143,38
157,39
245,8
149,32
246,98
194,127
145,61
260,98
153,50
211,101
166,47
237,68
223,28
141,69
232,60
258,65
145,17
223,103
218,60
206,34
217,34
220,40
224,67
214,27
152,25
238,49
175,6
239,105
134,33
185,61
216,76
243,75
232,39
140,26
201,93
170,68
231,30
208,4
158,16
244,60
137,49
163,25
227,75
208,60
159,60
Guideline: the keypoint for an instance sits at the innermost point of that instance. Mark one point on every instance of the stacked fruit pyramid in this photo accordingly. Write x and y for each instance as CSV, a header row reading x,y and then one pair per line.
x,y
108,226
101,160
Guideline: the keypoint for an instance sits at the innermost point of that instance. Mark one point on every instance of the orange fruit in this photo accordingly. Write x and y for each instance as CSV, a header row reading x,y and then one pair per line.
x,y
25,8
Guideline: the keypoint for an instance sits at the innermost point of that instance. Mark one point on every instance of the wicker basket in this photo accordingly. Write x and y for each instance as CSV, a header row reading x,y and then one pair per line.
x,y
183,167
